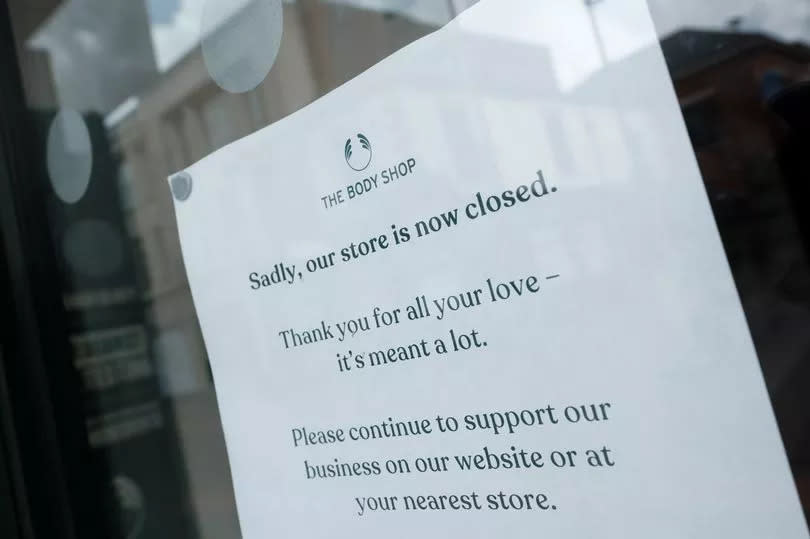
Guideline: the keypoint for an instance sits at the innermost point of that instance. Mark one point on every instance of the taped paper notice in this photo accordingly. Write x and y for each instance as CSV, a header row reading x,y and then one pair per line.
x,y
478,291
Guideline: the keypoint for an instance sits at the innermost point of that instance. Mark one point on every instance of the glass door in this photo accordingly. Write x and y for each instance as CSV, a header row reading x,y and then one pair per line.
x,y
110,412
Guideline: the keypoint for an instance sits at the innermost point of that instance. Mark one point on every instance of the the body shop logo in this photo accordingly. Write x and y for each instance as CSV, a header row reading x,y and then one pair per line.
x,y
357,152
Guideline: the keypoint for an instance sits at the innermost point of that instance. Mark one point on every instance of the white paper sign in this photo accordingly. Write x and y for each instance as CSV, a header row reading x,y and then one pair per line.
x,y
478,292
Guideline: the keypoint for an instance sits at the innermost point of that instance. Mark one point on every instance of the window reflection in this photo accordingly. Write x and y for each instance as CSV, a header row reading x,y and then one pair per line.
x,y
136,73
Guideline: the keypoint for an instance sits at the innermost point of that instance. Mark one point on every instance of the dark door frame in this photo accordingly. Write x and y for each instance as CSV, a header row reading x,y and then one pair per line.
x,y
49,485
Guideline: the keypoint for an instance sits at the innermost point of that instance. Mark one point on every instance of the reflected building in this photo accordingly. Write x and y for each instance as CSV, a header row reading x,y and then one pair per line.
x,y
182,118
98,58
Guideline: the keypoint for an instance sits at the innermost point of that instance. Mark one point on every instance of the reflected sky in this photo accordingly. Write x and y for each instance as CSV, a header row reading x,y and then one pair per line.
x,y
787,19
175,24
127,50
